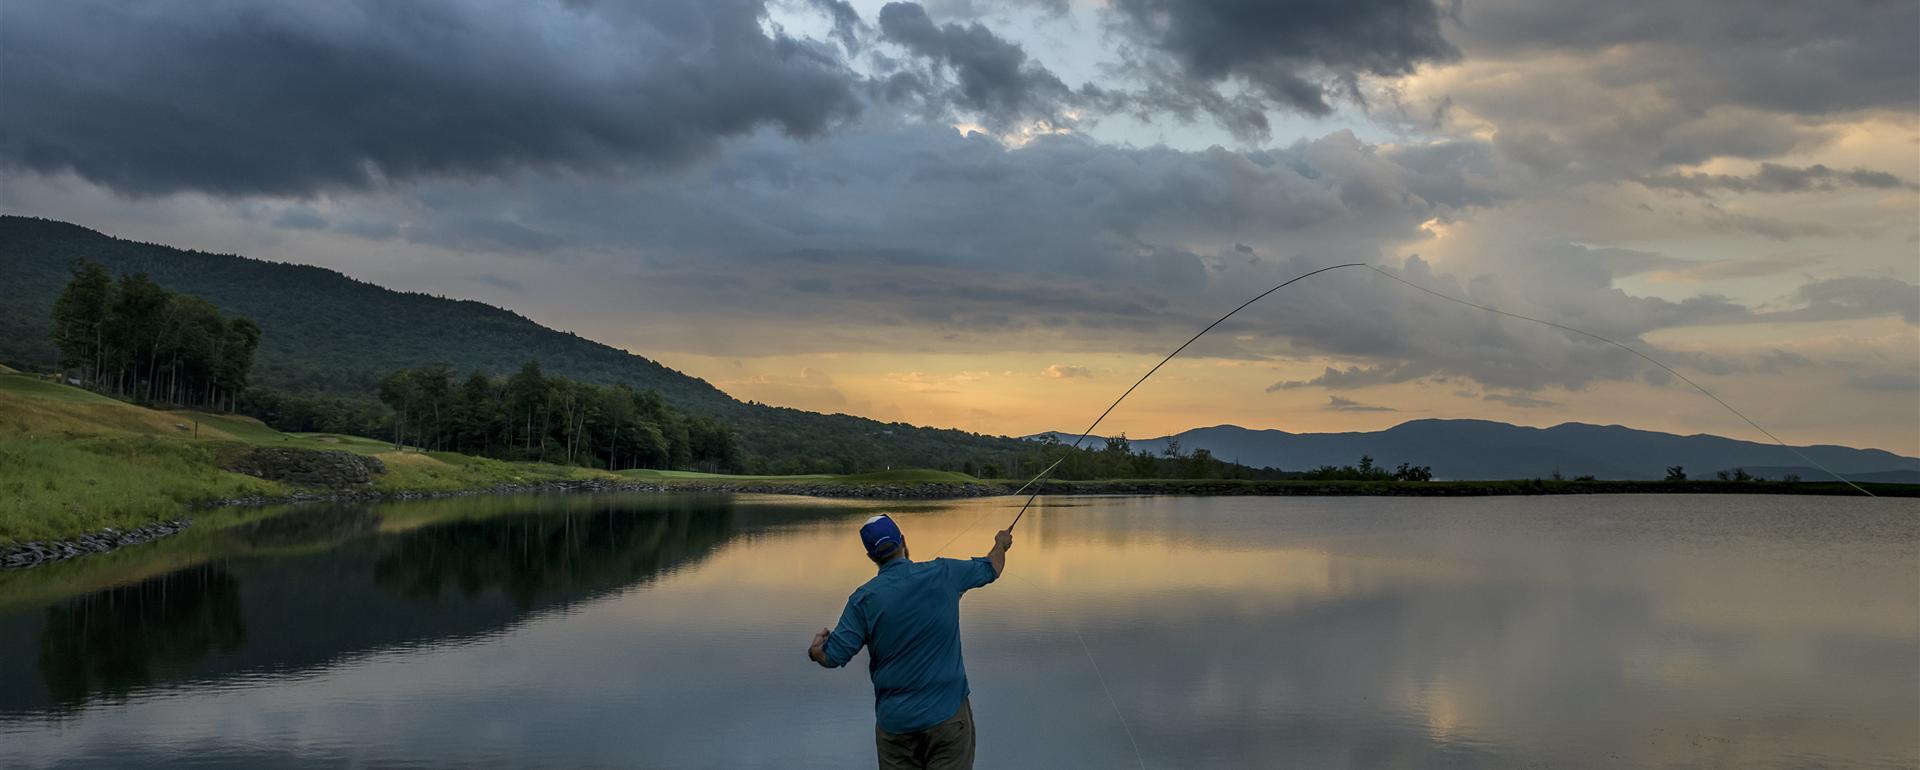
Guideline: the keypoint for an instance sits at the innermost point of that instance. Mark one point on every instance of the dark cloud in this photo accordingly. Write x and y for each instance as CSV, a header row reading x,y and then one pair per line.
x,y
1357,377
1233,58
1852,297
992,77
289,98
846,22
1776,178
1608,91
300,218
1338,404
504,284
1891,381
968,9
1780,56
1777,360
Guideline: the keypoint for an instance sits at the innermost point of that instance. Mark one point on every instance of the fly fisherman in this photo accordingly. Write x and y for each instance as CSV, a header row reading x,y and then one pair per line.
x,y
908,617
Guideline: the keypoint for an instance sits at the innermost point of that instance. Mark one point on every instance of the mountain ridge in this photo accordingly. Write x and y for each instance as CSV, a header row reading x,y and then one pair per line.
x,y
328,333
1470,448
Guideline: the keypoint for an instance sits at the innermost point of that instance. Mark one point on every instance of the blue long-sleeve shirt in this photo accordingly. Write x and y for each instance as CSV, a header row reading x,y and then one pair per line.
x,y
908,617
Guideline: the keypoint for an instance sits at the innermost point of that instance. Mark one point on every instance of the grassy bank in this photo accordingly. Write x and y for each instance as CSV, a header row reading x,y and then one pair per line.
x,y
73,462
905,476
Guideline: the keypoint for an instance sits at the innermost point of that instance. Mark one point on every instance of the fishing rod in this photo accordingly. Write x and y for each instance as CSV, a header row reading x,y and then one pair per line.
x,y
1035,482
1156,367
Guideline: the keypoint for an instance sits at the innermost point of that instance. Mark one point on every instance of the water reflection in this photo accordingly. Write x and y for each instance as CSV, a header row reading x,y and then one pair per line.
x,y
527,557
114,641
665,631
305,526
324,583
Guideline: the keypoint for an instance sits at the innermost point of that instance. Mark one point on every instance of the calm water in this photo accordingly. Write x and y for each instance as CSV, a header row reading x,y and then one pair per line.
x,y
627,631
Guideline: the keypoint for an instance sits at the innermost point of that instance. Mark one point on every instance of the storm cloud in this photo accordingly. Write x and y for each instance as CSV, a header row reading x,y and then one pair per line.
x,y
289,98
1233,58
992,77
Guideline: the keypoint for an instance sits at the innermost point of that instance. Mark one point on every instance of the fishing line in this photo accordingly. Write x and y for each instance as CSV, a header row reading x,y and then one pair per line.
x,y
1156,367
983,513
1097,675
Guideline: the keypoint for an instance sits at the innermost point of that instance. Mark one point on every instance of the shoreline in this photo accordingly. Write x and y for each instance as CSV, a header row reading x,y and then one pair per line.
x,y
26,555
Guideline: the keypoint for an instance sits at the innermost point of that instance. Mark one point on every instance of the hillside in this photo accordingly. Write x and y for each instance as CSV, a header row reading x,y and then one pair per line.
x,y
76,462
324,332
1481,449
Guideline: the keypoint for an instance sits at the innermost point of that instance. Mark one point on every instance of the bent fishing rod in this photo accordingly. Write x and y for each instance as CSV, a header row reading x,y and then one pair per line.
x,y
1036,486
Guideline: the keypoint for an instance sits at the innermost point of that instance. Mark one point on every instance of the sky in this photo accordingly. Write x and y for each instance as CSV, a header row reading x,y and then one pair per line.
x,y
995,214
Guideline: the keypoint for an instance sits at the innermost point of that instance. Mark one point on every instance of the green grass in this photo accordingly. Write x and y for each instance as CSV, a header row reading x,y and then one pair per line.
x,y
73,462
450,472
650,474
360,444
29,385
911,475
243,428
904,476
60,487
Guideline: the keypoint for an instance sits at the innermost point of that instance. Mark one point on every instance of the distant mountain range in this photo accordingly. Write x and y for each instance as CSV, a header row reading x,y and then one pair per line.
x,y
1481,449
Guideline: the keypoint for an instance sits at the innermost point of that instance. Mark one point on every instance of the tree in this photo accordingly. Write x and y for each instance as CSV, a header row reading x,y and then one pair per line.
x,y
80,320
397,392
526,394
134,339
1409,472
1676,473
239,344
134,322
475,414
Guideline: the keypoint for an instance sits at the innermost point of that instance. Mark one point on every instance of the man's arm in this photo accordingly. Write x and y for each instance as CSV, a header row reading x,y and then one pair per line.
x,y
1002,540
833,648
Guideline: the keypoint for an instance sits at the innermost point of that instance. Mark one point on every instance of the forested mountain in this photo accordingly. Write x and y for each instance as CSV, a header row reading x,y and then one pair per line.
x,y
1482,449
325,333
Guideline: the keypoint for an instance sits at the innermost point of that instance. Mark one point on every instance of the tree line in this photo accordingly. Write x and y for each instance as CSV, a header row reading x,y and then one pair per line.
x,y
1366,470
1116,458
134,339
534,416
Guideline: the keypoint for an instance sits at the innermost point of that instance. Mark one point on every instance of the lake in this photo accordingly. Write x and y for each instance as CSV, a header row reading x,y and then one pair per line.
x,y
670,631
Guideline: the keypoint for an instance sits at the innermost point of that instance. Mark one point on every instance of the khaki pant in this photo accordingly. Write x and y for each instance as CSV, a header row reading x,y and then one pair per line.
x,y
945,746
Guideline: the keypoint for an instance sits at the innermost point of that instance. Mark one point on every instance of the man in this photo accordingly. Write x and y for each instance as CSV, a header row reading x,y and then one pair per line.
x,y
908,618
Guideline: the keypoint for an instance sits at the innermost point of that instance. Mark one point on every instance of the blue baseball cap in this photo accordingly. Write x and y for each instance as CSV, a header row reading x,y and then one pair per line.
x,y
880,535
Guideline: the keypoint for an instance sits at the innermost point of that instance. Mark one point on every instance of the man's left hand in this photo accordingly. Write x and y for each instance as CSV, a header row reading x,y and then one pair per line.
x,y
819,641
